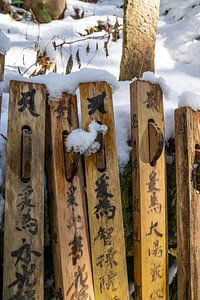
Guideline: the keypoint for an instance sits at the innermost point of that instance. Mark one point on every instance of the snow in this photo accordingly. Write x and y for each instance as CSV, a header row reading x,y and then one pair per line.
x,y
172,272
84,142
151,77
190,99
64,83
4,43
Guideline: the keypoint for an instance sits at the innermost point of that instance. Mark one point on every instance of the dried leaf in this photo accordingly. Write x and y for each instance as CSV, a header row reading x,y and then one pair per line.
x,y
87,48
106,47
69,65
78,59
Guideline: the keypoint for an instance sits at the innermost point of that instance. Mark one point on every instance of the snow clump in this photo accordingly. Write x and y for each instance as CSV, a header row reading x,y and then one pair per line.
x,y
190,99
150,76
4,43
84,142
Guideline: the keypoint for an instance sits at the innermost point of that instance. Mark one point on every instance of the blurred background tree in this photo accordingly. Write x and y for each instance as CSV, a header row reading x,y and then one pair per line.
x,y
139,37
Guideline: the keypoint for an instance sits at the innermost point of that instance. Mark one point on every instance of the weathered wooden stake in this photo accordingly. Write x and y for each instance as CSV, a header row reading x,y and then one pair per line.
x,y
104,198
149,192
24,203
71,255
187,140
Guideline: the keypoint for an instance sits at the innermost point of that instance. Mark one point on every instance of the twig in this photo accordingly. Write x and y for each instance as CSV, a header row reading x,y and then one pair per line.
x,y
3,136
81,40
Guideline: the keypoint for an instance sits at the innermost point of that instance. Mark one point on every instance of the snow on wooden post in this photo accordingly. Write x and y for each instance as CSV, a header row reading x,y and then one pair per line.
x,y
187,141
24,203
71,255
104,198
149,191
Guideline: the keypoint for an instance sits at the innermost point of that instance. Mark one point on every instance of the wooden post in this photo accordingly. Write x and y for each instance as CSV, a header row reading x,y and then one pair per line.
x,y
149,192
187,140
24,203
71,254
104,198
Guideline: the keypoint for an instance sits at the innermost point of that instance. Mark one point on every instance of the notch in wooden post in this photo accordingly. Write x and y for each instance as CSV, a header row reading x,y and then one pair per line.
x,y
71,160
100,155
156,141
26,154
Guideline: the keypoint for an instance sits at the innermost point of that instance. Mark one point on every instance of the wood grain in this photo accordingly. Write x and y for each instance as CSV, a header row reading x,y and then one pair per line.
x,y
71,254
187,141
149,194
104,199
24,203
2,64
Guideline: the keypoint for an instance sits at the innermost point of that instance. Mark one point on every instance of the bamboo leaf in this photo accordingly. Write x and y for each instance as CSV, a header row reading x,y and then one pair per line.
x,y
87,48
69,65
14,2
106,48
78,59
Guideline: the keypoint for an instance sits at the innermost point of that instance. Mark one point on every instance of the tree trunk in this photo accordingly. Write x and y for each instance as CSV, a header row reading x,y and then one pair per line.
x,y
40,8
139,36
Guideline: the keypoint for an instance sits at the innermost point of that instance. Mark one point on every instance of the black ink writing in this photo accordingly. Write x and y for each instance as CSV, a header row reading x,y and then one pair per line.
x,y
156,272
23,254
28,101
105,235
155,206
107,282
76,248
97,103
80,285
151,101
157,250
104,207
153,228
28,222
152,182
108,259
71,200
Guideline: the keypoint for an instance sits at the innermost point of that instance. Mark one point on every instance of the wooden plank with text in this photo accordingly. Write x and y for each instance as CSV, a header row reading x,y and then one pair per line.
x,y
149,191
71,255
24,203
187,141
104,198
